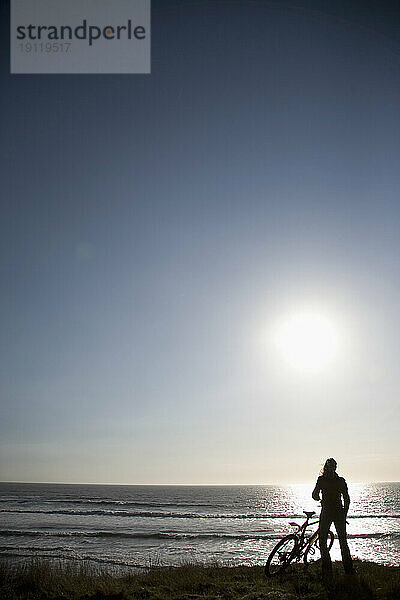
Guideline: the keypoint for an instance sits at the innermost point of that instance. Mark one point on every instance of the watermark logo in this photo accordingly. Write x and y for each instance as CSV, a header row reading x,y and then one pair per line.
x,y
80,36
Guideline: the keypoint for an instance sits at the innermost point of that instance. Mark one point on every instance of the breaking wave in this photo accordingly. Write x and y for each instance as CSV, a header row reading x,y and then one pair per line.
x,y
177,515
168,535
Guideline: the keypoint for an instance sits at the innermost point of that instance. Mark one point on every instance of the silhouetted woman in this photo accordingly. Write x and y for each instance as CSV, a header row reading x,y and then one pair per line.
x,y
333,488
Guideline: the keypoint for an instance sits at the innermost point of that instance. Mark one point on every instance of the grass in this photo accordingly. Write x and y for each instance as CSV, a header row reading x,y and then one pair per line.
x,y
41,580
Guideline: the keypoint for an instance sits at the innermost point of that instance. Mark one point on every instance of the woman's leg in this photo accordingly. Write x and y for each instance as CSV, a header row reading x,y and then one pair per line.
x,y
340,524
325,522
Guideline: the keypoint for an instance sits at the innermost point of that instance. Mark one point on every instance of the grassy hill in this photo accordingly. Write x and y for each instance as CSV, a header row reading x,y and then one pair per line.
x,y
69,581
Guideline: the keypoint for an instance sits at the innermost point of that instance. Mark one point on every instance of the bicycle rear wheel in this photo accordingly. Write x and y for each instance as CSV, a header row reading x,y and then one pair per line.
x,y
313,552
281,556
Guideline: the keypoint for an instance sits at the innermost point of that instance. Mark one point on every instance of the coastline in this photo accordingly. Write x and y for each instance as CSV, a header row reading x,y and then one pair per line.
x,y
44,580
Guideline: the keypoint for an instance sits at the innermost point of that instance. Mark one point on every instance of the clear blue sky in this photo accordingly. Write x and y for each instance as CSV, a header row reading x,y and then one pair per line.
x,y
154,226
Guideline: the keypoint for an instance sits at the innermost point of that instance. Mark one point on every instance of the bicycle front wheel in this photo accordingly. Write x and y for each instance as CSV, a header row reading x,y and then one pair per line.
x,y
313,552
281,556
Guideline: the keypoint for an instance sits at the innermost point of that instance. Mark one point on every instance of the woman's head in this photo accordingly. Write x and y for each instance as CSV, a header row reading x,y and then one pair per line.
x,y
329,469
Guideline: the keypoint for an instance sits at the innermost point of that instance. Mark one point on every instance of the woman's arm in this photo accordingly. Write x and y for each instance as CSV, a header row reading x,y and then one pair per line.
x,y
346,497
317,490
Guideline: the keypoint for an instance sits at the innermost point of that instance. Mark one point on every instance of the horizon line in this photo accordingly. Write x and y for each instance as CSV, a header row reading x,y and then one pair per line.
x,y
311,482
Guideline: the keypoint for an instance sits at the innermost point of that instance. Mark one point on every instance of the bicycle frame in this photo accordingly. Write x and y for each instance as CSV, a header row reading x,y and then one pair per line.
x,y
304,541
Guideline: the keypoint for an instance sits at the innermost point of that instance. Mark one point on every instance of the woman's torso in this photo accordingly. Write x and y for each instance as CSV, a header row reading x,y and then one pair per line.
x,y
332,489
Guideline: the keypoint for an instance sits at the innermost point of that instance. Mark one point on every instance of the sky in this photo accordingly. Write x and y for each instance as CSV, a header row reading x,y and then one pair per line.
x,y
156,229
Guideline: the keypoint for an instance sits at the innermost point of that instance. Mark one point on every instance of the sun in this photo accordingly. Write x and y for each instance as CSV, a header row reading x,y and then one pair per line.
x,y
308,340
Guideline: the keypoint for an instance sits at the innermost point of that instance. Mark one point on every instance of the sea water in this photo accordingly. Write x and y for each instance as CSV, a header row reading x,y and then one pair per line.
x,y
141,526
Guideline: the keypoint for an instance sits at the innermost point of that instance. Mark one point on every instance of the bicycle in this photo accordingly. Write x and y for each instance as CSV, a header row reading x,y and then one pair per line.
x,y
295,546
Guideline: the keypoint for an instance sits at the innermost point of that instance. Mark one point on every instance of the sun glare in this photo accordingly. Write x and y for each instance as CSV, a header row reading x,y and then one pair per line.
x,y
307,340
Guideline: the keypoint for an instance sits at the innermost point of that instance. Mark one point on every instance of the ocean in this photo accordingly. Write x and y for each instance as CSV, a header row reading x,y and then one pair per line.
x,y
142,526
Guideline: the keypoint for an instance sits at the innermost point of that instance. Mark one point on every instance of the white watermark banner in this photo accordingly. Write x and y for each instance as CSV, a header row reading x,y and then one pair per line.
x,y
80,36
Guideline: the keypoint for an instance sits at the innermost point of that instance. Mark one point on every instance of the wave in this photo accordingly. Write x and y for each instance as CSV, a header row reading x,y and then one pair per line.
x,y
122,534
27,553
178,515
138,503
168,535
388,534
152,514
372,516
101,502
4,549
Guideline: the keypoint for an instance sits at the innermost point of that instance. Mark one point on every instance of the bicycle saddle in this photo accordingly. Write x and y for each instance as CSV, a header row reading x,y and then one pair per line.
x,y
309,514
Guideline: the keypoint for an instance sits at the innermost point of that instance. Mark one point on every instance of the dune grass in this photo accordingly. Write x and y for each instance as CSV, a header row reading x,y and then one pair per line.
x,y
44,580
